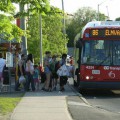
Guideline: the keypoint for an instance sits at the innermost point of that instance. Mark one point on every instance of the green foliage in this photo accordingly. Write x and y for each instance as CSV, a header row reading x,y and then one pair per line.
x,y
103,17
81,17
35,6
52,29
9,31
52,36
6,6
33,40
18,33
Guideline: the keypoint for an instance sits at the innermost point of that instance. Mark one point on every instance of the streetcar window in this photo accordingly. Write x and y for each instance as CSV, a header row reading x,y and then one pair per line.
x,y
116,52
99,44
96,51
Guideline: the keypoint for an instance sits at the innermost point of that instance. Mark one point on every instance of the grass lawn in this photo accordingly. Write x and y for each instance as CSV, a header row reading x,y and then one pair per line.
x,y
8,102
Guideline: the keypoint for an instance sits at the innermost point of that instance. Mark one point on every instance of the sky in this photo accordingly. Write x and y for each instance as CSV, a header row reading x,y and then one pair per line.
x,y
108,7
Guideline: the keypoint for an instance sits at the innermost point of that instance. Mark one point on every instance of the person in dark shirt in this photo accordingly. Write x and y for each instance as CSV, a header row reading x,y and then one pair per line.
x,y
5,75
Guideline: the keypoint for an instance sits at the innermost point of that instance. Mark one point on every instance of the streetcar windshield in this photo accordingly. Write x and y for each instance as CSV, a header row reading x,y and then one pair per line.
x,y
101,52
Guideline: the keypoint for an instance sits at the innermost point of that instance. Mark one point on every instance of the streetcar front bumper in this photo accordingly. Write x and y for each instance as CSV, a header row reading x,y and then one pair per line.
x,y
99,85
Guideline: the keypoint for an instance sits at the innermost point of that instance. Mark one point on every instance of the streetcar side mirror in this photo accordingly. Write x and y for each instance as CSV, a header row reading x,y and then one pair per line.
x,y
79,43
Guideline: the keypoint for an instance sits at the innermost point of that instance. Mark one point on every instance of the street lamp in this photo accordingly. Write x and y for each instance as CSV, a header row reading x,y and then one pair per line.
x,y
99,6
64,30
23,27
107,12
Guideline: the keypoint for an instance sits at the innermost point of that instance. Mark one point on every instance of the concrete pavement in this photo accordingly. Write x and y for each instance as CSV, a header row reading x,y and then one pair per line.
x,y
43,105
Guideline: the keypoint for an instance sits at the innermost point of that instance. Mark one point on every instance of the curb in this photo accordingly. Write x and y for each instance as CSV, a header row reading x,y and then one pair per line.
x,y
79,95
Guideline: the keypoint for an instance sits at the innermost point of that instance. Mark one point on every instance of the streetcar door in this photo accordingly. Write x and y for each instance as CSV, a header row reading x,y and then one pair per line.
x,y
77,63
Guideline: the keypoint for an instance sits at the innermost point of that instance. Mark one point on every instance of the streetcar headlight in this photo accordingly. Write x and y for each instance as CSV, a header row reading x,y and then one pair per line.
x,y
87,77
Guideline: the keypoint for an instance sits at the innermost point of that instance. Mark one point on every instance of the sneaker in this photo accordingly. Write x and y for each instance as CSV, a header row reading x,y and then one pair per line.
x,y
43,89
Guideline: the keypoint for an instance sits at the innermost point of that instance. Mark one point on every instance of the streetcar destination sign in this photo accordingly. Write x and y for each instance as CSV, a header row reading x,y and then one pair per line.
x,y
105,33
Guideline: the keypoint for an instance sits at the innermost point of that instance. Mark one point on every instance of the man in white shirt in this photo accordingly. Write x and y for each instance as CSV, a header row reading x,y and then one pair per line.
x,y
2,64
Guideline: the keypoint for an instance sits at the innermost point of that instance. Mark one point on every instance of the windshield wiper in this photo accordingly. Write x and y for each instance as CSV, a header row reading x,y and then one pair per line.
x,y
104,59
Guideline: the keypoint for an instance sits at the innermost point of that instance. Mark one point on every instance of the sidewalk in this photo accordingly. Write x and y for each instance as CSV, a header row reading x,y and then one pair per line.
x,y
43,106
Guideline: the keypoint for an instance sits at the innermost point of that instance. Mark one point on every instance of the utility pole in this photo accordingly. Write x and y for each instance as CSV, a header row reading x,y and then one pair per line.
x,y
108,12
64,29
40,24
99,6
23,27
98,11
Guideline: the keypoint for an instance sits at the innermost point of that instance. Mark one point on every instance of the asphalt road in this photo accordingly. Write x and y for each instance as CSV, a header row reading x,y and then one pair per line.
x,y
105,99
95,105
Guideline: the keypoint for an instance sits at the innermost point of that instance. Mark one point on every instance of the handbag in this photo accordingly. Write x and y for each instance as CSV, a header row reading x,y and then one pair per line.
x,y
22,79
63,71
59,72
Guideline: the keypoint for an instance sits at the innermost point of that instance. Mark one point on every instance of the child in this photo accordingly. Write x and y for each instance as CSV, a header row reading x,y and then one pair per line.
x,y
36,77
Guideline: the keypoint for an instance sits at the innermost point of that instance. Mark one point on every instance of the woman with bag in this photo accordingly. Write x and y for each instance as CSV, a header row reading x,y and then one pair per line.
x,y
29,73
64,75
20,73
54,76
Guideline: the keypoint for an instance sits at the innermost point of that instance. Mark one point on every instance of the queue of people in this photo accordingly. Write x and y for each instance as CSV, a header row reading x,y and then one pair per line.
x,y
56,70
30,75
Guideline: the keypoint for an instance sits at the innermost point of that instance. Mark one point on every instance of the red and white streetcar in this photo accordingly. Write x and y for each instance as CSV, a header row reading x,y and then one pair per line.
x,y
97,56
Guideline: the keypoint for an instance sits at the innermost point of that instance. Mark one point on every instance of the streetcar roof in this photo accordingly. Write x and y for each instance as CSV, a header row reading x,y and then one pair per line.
x,y
100,24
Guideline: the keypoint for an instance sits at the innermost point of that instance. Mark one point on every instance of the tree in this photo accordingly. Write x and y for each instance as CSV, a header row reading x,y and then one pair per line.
x,y
53,29
52,25
52,36
8,30
81,17
6,6
34,5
